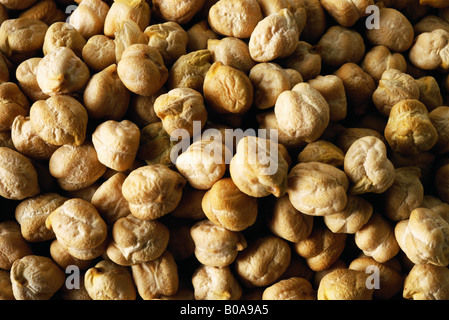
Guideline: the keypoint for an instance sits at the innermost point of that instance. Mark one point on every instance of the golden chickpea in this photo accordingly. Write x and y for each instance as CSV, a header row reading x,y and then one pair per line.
x,y
290,289
13,245
426,282
99,52
128,34
60,254
141,108
62,34
155,145
44,10
348,12
322,151
429,92
379,59
306,59
429,50
332,89
17,5
316,21
179,11
215,283
89,17
13,103
26,79
348,136
232,52
439,118
122,10
344,284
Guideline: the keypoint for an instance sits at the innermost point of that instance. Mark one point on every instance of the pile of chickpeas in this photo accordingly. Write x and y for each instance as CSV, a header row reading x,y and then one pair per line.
x,y
94,96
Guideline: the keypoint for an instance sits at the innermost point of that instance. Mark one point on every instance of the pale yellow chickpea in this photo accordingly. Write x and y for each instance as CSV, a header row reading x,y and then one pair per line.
x,y
232,52
13,103
179,11
26,79
426,282
13,245
198,36
429,92
347,12
429,50
122,10
344,284
306,59
62,34
128,34
99,52
89,17
379,59
44,10
215,283
295,288
332,89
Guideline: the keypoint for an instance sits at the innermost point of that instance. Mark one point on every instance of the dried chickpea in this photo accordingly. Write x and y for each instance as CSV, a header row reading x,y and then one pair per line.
x,y
177,11
17,5
215,245
263,262
142,69
428,51
60,254
426,282
32,212
440,181
367,166
13,245
44,10
155,145
6,286
394,86
19,178
259,168
198,36
153,191
430,93
181,244
13,103
239,93
76,167
439,117
290,289
317,189
409,129
332,89
26,79
136,241
235,18
434,3
215,283
346,13
316,21
141,108
232,52
99,52
89,17
61,72
344,284
288,223
190,206
122,10
180,109
128,34
116,143
322,151
62,34
430,23
422,237
379,59
190,70
274,37
22,38
79,294
109,281
306,59
302,112
156,278
225,205
36,278
269,81
348,136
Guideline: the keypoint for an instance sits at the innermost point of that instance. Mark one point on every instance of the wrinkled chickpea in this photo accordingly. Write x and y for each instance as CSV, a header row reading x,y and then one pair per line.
x,y
214,283
122,10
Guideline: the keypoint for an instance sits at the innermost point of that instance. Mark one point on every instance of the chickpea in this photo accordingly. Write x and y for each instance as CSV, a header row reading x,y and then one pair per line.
x,y
27,81
122,10
44,10
306,59
13,103
379,59
61,255
316,21
344,284
426,282
290,289
438,117
13,245
6,286
322,151
232,52
198,36
429,92
428,50
332,89
89,18
215,283
99,52
346,13
155,145
62,34
128,34
180,12
348,136
141,108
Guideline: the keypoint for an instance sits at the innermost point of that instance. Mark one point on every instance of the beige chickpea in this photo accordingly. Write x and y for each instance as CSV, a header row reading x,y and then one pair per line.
x,y
99,52
352,218
426,282
344,284
263,262
405,194
259,168
347,13
44,10
28,142
379,59
17,5
434,3
61,72
153,191
62,34
429,92
430,23
26,79
180,109
435,204
60,254
79,294
109,281
428,51
274,37
395,31
322,151
239,93
169,38
302,112
156,278
269,81
116,143
340,45
394,86
359,87
348,136
13,103
105,95
122,10
423,237
295,288
306,59
198,36
142,69
235,19
36,277
89,17
215,283
439,117
19,178
377,239
409,129
332,89
76,167
128,34
141,108
6,286
316,21
367,166
22,38
317,189
190,70
232,52
288,223
225,205
32,212
391,280
215,245
137,241
156,145
13,245
180,12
